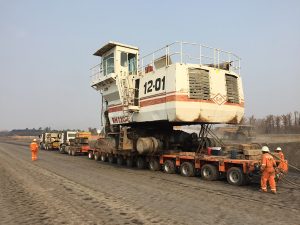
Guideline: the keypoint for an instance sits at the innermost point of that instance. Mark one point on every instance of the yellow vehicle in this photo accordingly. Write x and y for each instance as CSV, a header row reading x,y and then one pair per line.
x,y
49,141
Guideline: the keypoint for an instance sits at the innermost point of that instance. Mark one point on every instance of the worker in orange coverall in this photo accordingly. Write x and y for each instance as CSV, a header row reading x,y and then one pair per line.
x,y
279,151
34,150
282,163
268,166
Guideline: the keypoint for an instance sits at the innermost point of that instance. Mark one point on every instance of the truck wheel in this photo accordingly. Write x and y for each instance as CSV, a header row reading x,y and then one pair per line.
x,y
103,157
154,165
111,158
169,167
120,160
73,152
129,162
90,155
61,149
140,163
187,169
209,172
69,151
235,176
97,156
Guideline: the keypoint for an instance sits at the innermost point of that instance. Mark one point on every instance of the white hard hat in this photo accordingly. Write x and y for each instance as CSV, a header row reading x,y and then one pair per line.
x,y
278,149
34,139
265,149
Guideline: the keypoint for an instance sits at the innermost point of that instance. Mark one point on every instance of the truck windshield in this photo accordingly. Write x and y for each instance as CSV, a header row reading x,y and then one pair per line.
x,y
71,135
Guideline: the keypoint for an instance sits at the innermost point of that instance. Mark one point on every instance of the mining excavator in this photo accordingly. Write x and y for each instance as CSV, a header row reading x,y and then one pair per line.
x,y
182,84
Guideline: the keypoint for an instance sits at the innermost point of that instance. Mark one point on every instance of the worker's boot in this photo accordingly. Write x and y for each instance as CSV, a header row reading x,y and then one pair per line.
x,y
263,190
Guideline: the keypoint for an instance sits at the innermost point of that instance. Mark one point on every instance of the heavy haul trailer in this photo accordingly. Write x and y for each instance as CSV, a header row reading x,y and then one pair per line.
x,y
239,167
143,99
79,145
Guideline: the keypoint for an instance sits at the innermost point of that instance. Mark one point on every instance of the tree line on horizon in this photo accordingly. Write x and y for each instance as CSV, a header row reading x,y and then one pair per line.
x,y
40,130
275,124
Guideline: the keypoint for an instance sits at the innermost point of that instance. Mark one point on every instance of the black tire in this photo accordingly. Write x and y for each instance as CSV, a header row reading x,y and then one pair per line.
x,y
169,167
97,156
68,150
154,165
103,157
73,152
120,160
129,162
235,176
62,149
140,163
111,158
90,155
209,172
187,169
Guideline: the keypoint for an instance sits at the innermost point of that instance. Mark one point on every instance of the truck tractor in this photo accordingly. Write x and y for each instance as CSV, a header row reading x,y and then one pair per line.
x,y
49,141
79,145
65,138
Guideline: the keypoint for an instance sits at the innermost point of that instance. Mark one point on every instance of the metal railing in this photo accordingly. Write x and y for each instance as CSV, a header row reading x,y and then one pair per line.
x,y
178,52
98,70
192,53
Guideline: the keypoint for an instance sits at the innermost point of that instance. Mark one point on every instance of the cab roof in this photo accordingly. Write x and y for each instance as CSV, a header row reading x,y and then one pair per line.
x,y
110,45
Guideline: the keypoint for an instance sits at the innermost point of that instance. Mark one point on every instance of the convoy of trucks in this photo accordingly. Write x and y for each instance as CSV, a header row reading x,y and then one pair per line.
x,y
143,100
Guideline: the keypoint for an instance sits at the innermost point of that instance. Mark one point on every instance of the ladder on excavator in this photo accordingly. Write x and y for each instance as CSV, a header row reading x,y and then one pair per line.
x,y
127,95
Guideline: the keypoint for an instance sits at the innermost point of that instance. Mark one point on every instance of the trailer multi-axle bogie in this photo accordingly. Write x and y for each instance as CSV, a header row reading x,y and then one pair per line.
x,y
236,171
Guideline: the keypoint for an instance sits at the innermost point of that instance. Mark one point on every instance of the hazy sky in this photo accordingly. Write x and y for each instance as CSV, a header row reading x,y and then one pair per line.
x,y
46,51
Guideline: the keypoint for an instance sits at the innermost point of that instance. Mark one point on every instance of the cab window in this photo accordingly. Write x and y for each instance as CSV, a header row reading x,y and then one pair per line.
x,y
108,64
124,59
132,63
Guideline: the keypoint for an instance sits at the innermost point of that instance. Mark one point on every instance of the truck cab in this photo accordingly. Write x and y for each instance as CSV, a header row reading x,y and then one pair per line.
x,y
49,140
65,139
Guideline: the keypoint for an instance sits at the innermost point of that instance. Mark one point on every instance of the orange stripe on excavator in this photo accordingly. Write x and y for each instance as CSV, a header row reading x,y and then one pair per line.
x,y
170,98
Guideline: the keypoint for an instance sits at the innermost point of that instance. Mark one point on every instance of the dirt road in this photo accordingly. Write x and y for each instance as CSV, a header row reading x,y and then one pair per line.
x,y
60,189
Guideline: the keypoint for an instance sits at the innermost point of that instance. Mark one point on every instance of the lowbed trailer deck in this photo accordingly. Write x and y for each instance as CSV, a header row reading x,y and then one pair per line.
x,y
210,167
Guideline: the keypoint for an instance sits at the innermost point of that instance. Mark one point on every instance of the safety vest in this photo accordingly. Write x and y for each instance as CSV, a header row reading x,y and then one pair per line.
x,y
268,161
34,146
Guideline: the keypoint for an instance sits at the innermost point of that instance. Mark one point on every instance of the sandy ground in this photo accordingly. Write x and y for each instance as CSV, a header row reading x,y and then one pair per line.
x,y
60,189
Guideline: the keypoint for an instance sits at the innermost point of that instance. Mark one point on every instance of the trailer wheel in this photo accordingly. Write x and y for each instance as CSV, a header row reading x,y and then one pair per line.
x,y
120,160
209,172
169,167
90,155
103,157
96,156
129,162
111,158
140,163
187,169
154,165
235,176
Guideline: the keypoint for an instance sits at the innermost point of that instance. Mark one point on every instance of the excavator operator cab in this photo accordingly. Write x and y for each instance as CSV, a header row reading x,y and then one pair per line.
x,y
119,59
